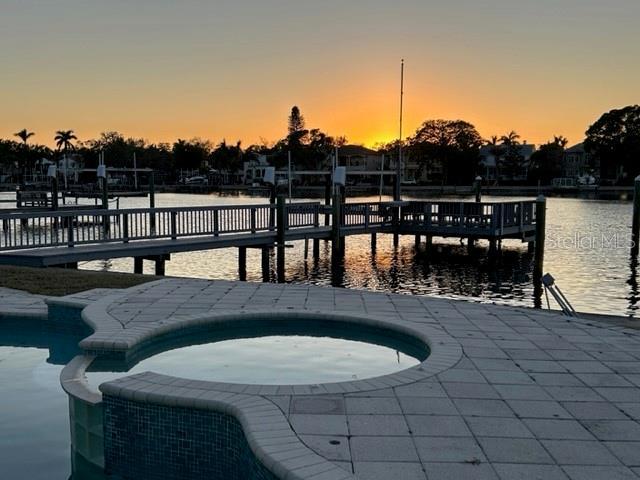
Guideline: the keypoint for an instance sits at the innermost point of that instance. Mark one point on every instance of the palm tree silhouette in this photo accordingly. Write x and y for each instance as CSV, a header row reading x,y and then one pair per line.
x,y
496,149
24,135
560,140
63,141
510,139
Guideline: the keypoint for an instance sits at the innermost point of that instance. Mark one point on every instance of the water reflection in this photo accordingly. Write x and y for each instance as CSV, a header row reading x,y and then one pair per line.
x,y
634,295
34,411
443,269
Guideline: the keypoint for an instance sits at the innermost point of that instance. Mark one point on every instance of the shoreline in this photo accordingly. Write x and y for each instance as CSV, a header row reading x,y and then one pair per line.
x,y
318,191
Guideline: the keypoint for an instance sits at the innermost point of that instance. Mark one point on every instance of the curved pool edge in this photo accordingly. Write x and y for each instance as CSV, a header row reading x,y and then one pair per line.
x,y
264,426
445,351
85,412
271,439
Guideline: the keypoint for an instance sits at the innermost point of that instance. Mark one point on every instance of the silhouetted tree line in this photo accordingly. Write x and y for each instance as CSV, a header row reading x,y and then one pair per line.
x,y
450,147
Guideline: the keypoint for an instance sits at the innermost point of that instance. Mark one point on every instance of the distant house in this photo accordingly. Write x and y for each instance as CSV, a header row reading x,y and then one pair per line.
x,y
70,166
491,166
577,162
253,169
415,169
359,158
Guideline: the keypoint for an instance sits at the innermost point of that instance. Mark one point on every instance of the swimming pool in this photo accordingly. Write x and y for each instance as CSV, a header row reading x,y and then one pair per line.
x,y
210,377
34,411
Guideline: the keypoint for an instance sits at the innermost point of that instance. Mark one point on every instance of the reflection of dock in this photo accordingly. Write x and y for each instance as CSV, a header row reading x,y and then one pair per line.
x,y
65,237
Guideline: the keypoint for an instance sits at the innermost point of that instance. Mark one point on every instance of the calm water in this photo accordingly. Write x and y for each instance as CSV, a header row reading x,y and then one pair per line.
x,y
587,252
273,360
34,410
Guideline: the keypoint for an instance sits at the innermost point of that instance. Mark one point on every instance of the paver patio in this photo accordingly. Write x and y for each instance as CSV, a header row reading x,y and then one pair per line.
x,y
534,395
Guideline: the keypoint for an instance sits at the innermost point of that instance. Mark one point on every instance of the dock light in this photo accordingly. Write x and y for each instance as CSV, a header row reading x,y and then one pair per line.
x,y
102,171
52,171
340,176
270,175
478,179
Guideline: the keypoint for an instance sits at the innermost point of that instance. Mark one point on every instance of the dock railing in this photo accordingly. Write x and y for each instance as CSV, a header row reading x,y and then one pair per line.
x,y
25,230
487,218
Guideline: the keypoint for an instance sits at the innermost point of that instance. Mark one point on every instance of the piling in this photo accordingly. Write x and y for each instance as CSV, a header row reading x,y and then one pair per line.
x,y
327,198
152,201
336,239
478,188
160,266
265,263
306,248
242,263
316,248
635,226
138,265
54,193
470,244
281,218
106,221
374,242
417,241
538,267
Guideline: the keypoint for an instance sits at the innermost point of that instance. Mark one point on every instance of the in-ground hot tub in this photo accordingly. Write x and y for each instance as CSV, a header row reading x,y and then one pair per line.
x,y
273,352
202,405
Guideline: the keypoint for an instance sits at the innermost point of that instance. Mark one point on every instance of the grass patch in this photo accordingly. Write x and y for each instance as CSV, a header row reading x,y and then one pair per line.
x,y
61,281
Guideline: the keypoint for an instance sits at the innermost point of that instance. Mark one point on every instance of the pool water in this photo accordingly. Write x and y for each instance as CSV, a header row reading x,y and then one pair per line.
x,y
34,410
277,360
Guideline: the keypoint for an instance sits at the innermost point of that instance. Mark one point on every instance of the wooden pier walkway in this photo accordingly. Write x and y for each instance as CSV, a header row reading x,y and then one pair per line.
x,y
66,237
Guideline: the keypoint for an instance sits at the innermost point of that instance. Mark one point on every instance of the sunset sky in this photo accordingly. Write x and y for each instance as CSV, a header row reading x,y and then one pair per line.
x,y
167,69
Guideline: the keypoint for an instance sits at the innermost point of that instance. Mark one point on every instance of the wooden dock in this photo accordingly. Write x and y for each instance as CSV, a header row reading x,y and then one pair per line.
x,y
66,237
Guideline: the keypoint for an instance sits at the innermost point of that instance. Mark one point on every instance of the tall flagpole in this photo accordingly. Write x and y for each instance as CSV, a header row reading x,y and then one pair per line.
x,y
397,193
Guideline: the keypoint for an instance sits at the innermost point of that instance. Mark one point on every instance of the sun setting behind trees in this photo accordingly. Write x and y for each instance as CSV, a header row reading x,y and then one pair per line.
x,y
166,70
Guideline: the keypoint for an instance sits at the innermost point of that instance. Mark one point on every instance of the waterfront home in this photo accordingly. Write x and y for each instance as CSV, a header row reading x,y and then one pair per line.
x,y
492,165
577,162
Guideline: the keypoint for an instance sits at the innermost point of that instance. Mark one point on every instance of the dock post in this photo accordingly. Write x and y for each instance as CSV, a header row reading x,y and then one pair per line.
x,y
478,188
492,246
327,198
265,263
306,248
138,265
242,263
316,248
54,193
336,220
396,224
417,241
160,266
470,244
152,201
538,268
374,242
106,220
281,218
635,226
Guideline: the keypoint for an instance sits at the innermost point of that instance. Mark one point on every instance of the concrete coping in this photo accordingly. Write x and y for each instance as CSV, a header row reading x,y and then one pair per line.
x,y
266,429
74,382
445,351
